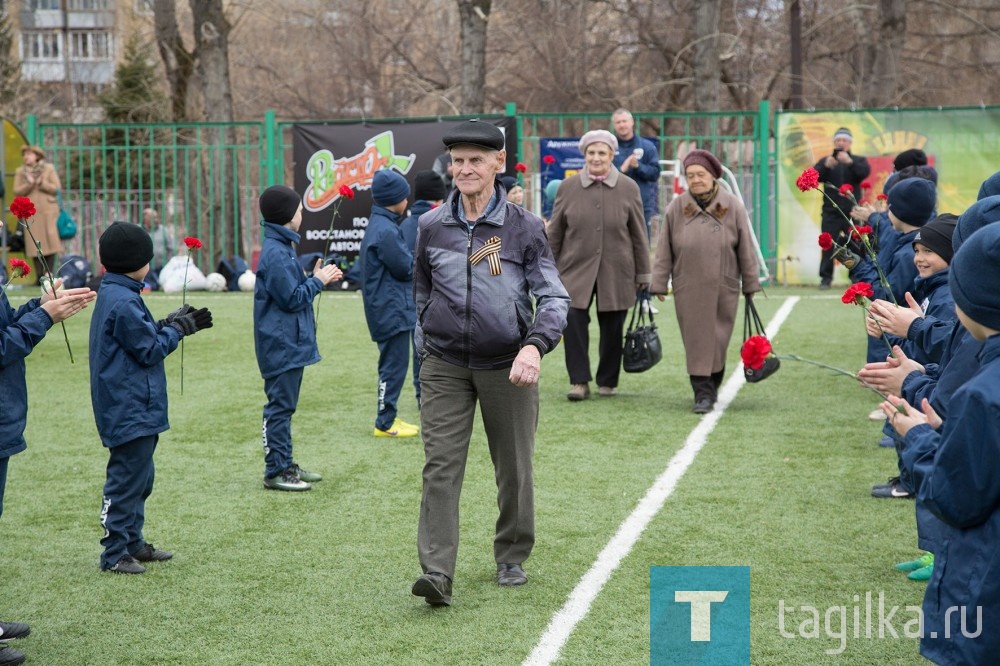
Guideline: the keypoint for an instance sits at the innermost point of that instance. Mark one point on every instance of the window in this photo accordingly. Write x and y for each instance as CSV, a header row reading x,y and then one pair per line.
x,y
43,5
91,45
144,7
87,5
41,46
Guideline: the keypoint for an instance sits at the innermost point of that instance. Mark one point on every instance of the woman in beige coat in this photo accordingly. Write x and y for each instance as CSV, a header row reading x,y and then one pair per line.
x,y
598,236
38,180
704,252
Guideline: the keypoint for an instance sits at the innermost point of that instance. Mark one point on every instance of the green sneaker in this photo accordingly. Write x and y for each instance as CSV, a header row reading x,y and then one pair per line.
x,y
925,560
308,477
922,574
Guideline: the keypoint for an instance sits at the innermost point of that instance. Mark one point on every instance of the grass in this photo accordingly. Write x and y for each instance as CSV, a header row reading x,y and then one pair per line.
x,y
323,577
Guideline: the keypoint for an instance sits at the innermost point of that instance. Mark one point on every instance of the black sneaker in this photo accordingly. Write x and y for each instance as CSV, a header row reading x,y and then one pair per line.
x,y
149,553
9,656
127,565
286,480
12,630
891,490
308,477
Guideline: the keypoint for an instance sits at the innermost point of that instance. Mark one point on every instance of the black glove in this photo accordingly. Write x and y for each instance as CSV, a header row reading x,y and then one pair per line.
x,y
192,322
847,258
182,310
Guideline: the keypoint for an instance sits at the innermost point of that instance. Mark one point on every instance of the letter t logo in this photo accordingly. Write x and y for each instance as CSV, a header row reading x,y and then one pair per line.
x,y
701,610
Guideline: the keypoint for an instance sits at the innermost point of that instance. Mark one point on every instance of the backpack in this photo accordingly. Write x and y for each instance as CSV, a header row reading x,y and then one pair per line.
x,y
232,268
75,271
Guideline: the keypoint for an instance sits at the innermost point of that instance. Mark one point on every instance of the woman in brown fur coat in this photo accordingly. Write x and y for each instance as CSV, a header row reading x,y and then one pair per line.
x,y
38,180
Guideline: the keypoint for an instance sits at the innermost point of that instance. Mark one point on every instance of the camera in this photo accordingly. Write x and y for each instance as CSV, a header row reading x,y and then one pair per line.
x,y
837,151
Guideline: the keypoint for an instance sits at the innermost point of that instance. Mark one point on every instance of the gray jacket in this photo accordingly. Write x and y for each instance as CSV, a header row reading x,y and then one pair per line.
x,y
474,303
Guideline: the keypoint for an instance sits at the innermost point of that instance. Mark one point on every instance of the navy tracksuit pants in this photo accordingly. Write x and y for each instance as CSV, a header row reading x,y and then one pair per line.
x,y
129,482
393,362
282,398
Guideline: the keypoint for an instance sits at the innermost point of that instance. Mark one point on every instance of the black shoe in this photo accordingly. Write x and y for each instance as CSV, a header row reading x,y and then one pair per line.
x,y
127,565
703,406
511,575
12,630
434,587
9,656
823,286
149,553
891,490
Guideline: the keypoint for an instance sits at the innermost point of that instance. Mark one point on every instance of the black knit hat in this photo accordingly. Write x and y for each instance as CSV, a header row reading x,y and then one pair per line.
x,y
389,188
428,186
912,201
936,235
125,247
475,133
278,204
911,157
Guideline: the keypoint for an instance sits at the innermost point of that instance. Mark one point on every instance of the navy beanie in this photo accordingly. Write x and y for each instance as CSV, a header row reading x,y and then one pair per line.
x,y
936,235
389,188
990,186
912,201
125,247
428,186
978,215
278,204
975,277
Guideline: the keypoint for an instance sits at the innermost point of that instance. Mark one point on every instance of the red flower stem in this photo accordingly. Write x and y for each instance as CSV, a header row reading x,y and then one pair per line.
x,y
869,250
326,256
45,268
184,289
864,384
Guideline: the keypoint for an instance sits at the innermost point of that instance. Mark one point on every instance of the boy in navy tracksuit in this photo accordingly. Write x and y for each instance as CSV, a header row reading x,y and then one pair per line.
x,y
128,390
284,332
387,289
954,477
20,331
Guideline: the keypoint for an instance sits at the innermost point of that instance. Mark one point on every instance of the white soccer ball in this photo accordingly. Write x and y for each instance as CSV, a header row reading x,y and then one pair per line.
x,y
247,281
215,282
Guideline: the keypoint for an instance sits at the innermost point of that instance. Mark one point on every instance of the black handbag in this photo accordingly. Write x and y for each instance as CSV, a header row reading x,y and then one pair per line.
x,y
642,342
752,326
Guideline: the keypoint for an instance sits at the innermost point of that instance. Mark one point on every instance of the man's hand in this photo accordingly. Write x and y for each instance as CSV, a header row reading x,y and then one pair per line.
x,y
327,274
526,367
844,157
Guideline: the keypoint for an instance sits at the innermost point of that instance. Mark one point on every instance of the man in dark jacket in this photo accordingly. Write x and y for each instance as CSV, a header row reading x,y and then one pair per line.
x,y
840,168
284,331
387,290
489,303
639,159
428,192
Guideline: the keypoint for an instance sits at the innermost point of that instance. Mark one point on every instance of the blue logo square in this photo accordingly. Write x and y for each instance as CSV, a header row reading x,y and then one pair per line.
x,y
699,615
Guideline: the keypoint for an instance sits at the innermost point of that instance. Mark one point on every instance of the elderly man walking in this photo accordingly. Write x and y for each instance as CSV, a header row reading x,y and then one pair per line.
x,y
480,264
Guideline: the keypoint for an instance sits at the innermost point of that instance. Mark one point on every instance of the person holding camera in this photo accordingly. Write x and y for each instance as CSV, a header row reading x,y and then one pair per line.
x,y
835,170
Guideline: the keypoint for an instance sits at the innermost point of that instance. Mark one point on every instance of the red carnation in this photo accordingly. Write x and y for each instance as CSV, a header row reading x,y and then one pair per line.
x,y
549,159
346,191
846,190
866,185
755,351
882,197
22,208
857,293
192,243
826,241
520,167
19,268
863,230
864,202
809,180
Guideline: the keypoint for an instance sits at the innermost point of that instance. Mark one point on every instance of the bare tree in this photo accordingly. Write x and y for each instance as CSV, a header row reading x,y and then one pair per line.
x,y
474,18
178,62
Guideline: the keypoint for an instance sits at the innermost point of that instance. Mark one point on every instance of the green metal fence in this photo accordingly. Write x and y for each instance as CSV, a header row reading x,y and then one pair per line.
x,y
204,178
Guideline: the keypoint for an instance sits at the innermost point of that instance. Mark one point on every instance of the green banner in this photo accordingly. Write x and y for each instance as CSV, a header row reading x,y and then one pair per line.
x,y
962,144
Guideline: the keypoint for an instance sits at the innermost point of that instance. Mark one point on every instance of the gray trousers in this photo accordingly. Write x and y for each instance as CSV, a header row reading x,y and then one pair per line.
x,y
448,396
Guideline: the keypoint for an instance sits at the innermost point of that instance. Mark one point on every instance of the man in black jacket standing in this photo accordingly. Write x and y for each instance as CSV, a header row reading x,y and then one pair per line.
x,y
840,168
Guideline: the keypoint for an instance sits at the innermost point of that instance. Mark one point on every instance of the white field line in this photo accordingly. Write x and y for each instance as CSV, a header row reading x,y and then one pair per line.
x,y
580,599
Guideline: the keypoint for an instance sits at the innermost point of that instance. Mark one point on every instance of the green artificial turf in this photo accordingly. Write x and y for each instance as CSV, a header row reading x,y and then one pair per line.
x,y
781,485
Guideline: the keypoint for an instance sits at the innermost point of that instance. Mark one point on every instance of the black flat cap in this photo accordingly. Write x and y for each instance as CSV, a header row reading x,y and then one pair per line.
x,y
475,133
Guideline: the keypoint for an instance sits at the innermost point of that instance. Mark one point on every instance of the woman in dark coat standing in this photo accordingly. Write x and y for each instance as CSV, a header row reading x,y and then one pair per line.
x,y
598,236
704,251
